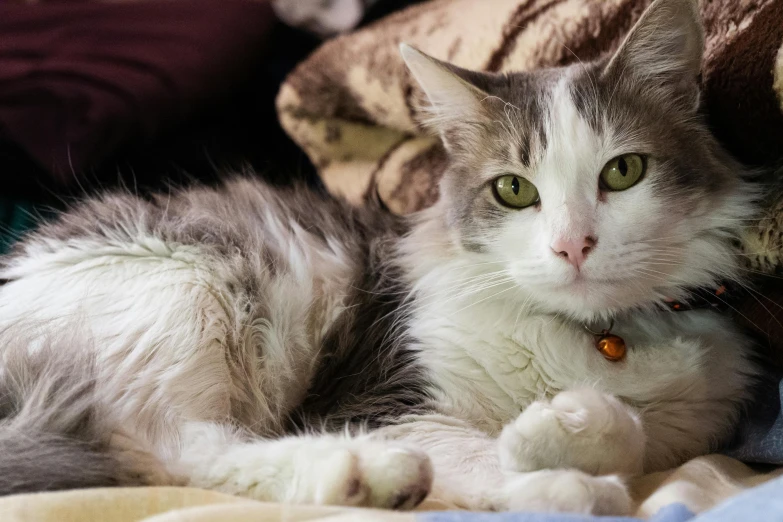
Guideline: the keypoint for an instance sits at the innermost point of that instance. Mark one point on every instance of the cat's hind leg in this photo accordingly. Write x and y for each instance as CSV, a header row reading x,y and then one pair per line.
x,y
306,469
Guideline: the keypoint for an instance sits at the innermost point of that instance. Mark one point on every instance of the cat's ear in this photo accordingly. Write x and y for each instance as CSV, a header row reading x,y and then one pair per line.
x,y
663,52
454,100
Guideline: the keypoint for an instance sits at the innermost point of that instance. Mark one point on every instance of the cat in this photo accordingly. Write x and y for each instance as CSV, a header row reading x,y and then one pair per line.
x,y
281,345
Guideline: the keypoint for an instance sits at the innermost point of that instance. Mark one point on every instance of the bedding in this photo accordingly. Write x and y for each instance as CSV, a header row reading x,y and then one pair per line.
x,y
699,486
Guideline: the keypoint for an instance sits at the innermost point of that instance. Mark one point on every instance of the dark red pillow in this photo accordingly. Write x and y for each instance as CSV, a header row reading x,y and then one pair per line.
x,y
80,79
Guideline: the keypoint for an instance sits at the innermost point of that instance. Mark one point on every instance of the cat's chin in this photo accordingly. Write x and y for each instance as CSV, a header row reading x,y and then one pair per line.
x,y
589,300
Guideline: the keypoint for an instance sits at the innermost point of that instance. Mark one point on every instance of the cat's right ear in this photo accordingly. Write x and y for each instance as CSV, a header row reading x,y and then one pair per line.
x,y
454,101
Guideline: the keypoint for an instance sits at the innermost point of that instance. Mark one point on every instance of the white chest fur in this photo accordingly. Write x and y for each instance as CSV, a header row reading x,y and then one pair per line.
x,y
486,363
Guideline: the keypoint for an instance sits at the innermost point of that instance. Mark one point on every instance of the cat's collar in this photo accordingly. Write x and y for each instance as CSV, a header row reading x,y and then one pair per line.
x,y
613,347
704,298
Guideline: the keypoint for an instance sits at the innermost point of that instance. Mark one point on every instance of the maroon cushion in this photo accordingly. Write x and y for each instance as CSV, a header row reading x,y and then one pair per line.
x,y
79,79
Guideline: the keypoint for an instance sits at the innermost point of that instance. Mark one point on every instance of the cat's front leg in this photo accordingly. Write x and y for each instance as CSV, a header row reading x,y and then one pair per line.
x,y
579,429
468,474
308,469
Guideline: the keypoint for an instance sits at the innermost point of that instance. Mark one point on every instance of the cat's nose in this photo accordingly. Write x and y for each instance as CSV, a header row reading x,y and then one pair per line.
x,y
575,251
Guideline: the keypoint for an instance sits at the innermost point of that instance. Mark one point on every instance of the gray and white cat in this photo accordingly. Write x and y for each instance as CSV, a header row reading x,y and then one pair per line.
x,y
226,338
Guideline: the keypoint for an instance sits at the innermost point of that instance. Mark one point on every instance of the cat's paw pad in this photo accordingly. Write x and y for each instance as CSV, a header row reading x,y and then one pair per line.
x,y
582,429
567,491
372,475
399,478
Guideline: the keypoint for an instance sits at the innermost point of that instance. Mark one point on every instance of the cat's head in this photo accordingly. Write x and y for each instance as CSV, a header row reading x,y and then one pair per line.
x,y
596,187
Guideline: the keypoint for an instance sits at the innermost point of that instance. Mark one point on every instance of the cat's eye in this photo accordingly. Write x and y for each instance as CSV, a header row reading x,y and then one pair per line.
x,y
623,172
514,191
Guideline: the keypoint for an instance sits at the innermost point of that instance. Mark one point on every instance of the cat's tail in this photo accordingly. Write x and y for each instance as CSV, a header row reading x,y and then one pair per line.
x,y
51,435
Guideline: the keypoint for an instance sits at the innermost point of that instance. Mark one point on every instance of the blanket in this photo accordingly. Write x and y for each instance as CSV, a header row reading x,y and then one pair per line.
x,y
700,486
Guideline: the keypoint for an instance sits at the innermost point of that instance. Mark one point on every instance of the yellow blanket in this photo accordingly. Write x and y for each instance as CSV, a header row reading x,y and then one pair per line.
x,y
699,484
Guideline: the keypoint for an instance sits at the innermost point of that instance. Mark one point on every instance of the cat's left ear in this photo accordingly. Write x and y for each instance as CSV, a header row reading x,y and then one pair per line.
x,y
662,54
455,102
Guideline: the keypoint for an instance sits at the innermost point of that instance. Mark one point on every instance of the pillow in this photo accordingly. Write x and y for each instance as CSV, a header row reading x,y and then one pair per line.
x,y
80,79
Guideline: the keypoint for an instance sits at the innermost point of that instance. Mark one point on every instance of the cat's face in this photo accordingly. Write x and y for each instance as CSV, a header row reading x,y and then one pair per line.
x,y
594,188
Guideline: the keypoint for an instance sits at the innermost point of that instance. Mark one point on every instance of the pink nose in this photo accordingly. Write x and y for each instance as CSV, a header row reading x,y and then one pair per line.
x,y
575,251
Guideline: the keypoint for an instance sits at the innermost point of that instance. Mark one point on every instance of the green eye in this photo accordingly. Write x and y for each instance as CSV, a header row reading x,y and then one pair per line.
x,y
623,172
514,191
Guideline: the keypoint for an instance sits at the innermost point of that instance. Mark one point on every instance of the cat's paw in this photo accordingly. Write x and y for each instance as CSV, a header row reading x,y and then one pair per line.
x,y
582,429
371,475
567,491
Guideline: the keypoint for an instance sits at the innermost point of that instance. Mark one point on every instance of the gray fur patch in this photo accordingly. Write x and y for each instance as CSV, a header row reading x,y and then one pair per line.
x,y
509,137
50,435
369,377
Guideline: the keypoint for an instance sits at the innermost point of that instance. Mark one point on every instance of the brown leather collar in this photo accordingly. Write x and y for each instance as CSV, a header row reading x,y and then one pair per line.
x,y
703,298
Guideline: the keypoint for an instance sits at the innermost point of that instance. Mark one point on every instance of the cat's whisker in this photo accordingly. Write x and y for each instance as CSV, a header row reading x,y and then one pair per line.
x,y
484,299
468,283
717,262
477,290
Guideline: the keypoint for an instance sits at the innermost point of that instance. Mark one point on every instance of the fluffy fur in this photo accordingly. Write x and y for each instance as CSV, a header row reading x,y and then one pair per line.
x,y
230,336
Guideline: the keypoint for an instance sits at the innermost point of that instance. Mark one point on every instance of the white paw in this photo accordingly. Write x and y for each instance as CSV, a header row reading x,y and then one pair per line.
x,y
371,474
567,491
582,429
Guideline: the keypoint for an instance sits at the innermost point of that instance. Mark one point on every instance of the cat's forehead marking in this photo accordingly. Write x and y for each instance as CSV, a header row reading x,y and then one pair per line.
x,y
550,104
573,146
528,97
588,95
